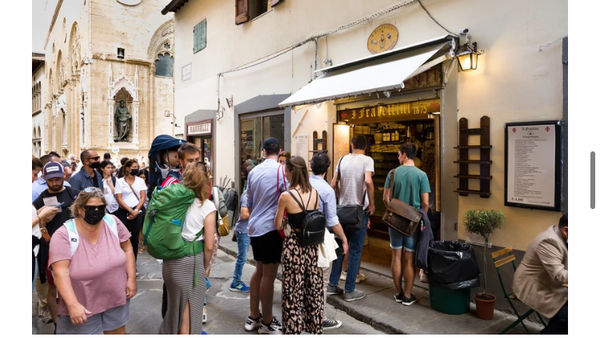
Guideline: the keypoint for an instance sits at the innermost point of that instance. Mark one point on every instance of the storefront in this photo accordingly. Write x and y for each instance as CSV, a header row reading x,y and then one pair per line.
x,y
199,130
407,109
256,120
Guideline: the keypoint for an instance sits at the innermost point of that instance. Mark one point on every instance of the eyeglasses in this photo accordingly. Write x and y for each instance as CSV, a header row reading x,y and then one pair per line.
x,y
89,208
92,189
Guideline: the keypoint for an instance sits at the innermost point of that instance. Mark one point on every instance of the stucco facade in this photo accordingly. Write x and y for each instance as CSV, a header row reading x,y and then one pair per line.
x,y
87,78
519,78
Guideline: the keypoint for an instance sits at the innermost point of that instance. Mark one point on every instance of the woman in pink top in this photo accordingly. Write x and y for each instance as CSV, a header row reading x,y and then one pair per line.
x,y
94,268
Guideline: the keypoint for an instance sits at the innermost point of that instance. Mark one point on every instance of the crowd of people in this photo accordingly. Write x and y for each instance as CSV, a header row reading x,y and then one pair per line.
x,y
87,233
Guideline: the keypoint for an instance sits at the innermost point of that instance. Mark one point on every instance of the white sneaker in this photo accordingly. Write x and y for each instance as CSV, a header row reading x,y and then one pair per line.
x,y
343,275
252,324
274,327
204,315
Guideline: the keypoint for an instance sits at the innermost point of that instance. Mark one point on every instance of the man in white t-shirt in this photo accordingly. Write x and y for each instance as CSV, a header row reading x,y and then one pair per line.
x,y
356,188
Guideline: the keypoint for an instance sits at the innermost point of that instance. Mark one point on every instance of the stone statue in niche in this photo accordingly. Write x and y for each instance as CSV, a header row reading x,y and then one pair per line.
x,y
122,121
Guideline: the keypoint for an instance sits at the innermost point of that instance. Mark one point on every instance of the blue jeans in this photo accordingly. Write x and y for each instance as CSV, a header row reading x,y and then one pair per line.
x,y
243,241
356,240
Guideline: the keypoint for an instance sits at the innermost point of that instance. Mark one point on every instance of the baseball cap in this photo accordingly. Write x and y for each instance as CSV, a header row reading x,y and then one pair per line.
x,y
271,145
53,170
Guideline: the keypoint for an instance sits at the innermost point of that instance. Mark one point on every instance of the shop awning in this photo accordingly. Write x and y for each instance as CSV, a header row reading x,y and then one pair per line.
x,y
363,78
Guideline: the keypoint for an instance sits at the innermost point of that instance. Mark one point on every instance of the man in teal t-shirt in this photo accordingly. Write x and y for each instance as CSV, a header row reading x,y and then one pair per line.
x,y
411,186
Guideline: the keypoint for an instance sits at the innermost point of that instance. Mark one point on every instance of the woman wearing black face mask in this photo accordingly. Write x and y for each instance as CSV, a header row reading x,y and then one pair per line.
x,y
94,269
130,192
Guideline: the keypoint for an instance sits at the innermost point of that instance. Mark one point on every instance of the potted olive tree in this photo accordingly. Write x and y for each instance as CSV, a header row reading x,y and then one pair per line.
x,y
484,222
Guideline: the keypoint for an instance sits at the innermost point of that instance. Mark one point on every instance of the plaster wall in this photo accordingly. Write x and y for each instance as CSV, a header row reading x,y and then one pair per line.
x,y
519,77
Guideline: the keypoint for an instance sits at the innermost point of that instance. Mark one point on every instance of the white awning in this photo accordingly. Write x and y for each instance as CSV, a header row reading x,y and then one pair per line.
x,y
368,79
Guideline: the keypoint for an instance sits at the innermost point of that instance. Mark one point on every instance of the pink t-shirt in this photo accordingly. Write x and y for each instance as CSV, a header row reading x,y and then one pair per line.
x,y
98,271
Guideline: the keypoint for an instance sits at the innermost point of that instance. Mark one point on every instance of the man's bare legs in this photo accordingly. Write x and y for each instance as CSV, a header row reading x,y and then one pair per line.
x,y
255,290
266,290
408,271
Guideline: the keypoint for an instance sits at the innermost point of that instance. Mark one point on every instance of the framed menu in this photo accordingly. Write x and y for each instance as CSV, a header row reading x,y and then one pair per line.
x,y
532,165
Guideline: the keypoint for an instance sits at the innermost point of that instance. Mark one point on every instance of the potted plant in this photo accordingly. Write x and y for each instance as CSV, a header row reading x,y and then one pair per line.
x,y
484,222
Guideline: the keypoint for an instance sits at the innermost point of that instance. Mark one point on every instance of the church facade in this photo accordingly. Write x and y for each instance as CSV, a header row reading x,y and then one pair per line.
x,y
109,78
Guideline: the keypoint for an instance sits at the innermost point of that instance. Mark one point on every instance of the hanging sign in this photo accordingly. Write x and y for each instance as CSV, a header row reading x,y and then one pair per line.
x,y
532,165
199,129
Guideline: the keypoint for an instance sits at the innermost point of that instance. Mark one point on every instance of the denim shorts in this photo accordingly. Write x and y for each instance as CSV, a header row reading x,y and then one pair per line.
x,y
398,240
108,320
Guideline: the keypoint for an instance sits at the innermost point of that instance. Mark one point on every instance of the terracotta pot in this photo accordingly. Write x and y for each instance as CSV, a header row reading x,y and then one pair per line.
x,y
484,304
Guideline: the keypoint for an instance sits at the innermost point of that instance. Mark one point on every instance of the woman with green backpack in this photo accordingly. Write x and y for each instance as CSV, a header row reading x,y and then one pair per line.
x,y
185,276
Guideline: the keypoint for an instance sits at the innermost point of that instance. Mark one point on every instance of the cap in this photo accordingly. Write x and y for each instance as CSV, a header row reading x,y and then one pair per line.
x,y
53,170
271,145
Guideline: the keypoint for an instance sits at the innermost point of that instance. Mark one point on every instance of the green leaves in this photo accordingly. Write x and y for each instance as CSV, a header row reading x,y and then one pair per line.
x,y
483,222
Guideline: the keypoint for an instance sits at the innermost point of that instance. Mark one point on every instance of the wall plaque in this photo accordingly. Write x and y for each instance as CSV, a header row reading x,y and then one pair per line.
x,y
199,129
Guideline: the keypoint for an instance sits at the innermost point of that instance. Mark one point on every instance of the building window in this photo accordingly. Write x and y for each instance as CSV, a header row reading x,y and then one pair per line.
x,y
164,65
249,9
200,36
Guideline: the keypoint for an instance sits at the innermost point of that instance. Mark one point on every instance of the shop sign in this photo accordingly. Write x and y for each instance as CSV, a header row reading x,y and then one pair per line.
x,y
396,111
199,129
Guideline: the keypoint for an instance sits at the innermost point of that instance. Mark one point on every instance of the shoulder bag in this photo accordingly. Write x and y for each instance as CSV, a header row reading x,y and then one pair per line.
x,y
350,215
223,222
400,216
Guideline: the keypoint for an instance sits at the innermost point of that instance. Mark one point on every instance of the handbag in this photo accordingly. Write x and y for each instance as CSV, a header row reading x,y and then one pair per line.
x,y
350,215
223,222
327,250
400,216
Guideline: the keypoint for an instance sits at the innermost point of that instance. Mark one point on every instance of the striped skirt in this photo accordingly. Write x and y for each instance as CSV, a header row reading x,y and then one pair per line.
x,y
178,275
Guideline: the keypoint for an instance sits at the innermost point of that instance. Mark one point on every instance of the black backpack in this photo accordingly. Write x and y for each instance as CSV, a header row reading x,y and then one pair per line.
x,y
312,230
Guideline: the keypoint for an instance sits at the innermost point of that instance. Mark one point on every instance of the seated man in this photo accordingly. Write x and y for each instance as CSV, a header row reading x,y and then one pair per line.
x,y
542,277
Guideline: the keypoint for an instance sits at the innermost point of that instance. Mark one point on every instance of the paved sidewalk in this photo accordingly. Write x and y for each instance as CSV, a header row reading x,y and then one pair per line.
x,y
379,309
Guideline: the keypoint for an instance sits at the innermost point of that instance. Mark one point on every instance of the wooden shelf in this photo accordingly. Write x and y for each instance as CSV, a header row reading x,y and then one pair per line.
x,y
464,162
473,162
473,147
470,191
475,177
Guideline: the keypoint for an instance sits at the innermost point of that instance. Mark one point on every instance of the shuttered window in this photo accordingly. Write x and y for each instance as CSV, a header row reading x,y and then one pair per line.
x,y
200,36
249,9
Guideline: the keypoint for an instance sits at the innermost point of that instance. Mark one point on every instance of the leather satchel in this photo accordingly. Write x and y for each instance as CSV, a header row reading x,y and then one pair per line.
x,y
400,216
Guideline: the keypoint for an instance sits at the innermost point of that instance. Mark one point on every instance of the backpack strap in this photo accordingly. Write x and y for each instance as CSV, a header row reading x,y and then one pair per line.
x,y
74,235
301,205
316,199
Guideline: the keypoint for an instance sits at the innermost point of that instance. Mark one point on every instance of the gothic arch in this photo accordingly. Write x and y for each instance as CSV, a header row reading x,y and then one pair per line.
x,y
74,50
162,41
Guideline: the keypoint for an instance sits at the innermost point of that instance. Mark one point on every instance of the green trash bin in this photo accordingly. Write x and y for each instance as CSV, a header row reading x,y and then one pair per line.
x,y
452,302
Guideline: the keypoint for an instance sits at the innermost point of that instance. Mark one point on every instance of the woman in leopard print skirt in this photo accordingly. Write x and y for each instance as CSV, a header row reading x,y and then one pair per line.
x,y
302,300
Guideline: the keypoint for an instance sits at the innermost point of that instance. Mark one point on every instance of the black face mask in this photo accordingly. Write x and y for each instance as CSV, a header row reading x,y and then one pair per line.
x,y
95,165
134,172
94,213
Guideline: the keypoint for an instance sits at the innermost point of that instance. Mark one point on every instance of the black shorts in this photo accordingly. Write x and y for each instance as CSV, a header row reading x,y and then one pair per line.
x,y
267,248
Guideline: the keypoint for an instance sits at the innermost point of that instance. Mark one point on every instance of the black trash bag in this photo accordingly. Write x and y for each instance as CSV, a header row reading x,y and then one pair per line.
x,y
452,265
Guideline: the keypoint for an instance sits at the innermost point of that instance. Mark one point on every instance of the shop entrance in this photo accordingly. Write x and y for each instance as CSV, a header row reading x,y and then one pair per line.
x,y
386,127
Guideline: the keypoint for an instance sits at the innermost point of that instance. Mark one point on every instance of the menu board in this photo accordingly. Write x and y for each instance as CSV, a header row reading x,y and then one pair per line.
x,y
532,165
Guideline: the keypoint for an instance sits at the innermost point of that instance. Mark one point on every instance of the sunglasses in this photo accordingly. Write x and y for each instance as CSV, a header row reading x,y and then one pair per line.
x,y
94,158
92,189
89,208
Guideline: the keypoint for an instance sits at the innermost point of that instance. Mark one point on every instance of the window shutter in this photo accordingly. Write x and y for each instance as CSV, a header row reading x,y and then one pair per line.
x,y
275,2
241,11
200,36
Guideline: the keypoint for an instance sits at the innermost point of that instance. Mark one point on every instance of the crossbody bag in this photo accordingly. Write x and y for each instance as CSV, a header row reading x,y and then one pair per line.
x,y
400,216
350,215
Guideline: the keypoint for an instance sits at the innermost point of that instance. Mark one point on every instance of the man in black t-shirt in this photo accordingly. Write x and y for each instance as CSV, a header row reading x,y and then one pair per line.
x,y
60,196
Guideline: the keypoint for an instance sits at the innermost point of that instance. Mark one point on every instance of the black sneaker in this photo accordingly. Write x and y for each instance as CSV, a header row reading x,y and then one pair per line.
x,y
408,300
398,298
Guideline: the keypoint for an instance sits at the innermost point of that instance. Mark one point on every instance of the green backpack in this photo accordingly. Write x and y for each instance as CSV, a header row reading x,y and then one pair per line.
x,y
164,220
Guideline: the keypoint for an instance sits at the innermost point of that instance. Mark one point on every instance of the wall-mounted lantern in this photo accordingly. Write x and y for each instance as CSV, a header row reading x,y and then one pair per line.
x,y
468,56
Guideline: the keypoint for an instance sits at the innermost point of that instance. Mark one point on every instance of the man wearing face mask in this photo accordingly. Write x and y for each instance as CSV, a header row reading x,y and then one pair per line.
x,y
88,175
60,196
